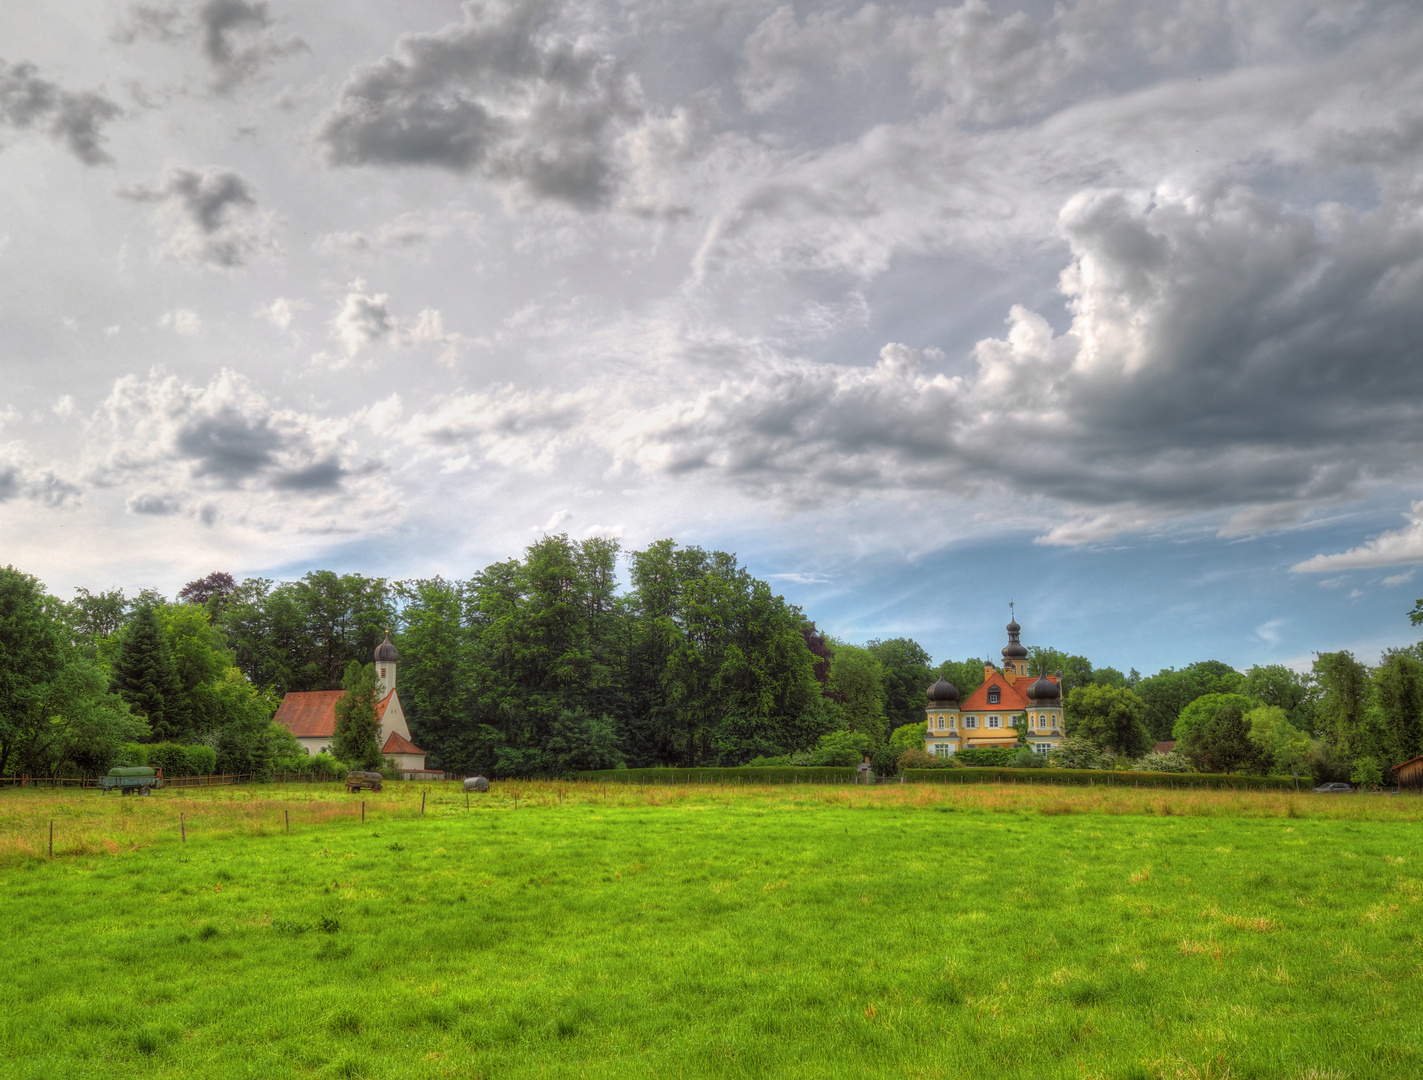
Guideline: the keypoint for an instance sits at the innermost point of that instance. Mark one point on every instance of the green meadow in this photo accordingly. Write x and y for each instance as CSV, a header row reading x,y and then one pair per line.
x,y
907,930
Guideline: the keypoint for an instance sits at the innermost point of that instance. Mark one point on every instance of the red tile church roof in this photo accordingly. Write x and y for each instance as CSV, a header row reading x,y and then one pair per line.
x,y
399,744
311,714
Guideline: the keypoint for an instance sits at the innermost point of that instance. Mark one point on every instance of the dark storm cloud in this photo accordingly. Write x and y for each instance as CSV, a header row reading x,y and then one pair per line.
x,y
75,119
237,38
498,95
214,211
178,438
229,445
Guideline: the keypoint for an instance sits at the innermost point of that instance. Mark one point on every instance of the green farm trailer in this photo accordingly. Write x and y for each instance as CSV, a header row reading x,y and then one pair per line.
x,y
135,778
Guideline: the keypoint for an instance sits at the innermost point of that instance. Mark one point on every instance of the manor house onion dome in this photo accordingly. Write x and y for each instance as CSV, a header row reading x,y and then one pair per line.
x,y
944,692
385,652
1014,650
1043,689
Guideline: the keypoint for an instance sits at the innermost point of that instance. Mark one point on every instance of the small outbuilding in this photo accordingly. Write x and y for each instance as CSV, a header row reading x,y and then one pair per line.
x,y
1410,774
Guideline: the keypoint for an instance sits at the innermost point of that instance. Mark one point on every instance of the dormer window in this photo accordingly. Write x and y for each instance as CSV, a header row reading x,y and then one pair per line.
x,y
993,695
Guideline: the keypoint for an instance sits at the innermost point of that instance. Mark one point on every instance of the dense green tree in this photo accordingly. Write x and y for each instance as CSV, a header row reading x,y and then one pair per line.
x,y
1282,745
857,690
357,729
55,705
436,657
1275,684
909,736
144,675
95,616
966,675
1076,670
1169,691
1398,691
1199,712
1110,717
1344,716
907,673
1222,744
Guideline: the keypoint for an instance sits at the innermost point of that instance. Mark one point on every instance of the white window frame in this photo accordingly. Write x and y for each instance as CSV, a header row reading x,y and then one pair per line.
x,y
995,722
970,721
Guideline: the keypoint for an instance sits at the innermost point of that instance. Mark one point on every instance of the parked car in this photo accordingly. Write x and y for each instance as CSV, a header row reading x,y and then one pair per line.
x,y
363,781
1325,789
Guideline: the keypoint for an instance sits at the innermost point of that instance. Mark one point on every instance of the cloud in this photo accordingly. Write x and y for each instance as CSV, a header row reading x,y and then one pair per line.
x,y
1393,581
153,505
75,119
237,38
22,478
182,322
280,311
365,318
210,215
1393,548
497,95
223,436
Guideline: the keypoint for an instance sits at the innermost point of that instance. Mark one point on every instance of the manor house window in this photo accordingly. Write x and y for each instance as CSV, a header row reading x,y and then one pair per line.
x,y
993,693
993,721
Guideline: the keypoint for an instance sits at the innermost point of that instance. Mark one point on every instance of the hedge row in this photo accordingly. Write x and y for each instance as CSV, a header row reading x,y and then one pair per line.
x,y
807,774
1101,777
768,774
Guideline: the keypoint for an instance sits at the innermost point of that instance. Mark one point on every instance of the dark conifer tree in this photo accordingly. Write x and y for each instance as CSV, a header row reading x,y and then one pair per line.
x,y
146,677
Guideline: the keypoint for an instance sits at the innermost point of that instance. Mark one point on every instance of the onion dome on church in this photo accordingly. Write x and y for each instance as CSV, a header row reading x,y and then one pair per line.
x,y
1043,689
385,651
944,692
1014,650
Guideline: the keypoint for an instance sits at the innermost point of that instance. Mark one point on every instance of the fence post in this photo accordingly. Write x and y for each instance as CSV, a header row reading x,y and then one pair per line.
x,y
51,839
363,811
422,803
183,826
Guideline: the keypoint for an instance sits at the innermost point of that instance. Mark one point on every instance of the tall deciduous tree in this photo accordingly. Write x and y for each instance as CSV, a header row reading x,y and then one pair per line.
x,y
857,689
1398,687
1110,717
1223,744
1169,691
907,673
1275,684
357,729
1344,716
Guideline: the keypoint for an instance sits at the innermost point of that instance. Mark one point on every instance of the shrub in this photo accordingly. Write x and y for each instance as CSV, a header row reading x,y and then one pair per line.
x,y
326,766
885,761
132,753
1158,762
202,760
1076,754
844,748
918,758
1028,758
170,757
989,756
390,770
1366,774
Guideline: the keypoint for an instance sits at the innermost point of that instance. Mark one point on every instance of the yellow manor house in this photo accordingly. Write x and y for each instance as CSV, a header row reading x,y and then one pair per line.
x,y
986,716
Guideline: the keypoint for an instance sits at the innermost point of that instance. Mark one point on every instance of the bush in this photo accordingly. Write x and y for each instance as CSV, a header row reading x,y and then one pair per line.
x,y
844,748
921,759
202,760
1076,754
885,761
132,753
1366,774
1028,758
743,774
991,756
1158,762
170,757
326,766
1096,776
390,770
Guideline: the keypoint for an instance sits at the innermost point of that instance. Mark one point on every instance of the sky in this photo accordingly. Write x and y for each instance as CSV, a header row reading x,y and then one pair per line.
x,y
1109,309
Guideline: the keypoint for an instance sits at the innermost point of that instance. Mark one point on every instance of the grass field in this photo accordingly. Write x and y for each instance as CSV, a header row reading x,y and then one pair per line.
x,y
906,930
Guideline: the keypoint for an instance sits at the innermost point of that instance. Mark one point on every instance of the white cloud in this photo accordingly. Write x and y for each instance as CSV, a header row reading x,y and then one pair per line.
x,y
365,318
210,217
1393,581
280,311
181,321
1394,548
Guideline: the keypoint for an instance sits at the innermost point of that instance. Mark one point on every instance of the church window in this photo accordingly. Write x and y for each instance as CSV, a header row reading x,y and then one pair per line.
x,y
993,695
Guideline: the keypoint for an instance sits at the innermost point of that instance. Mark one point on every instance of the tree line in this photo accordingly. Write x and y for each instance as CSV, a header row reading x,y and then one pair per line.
x,y
543,664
